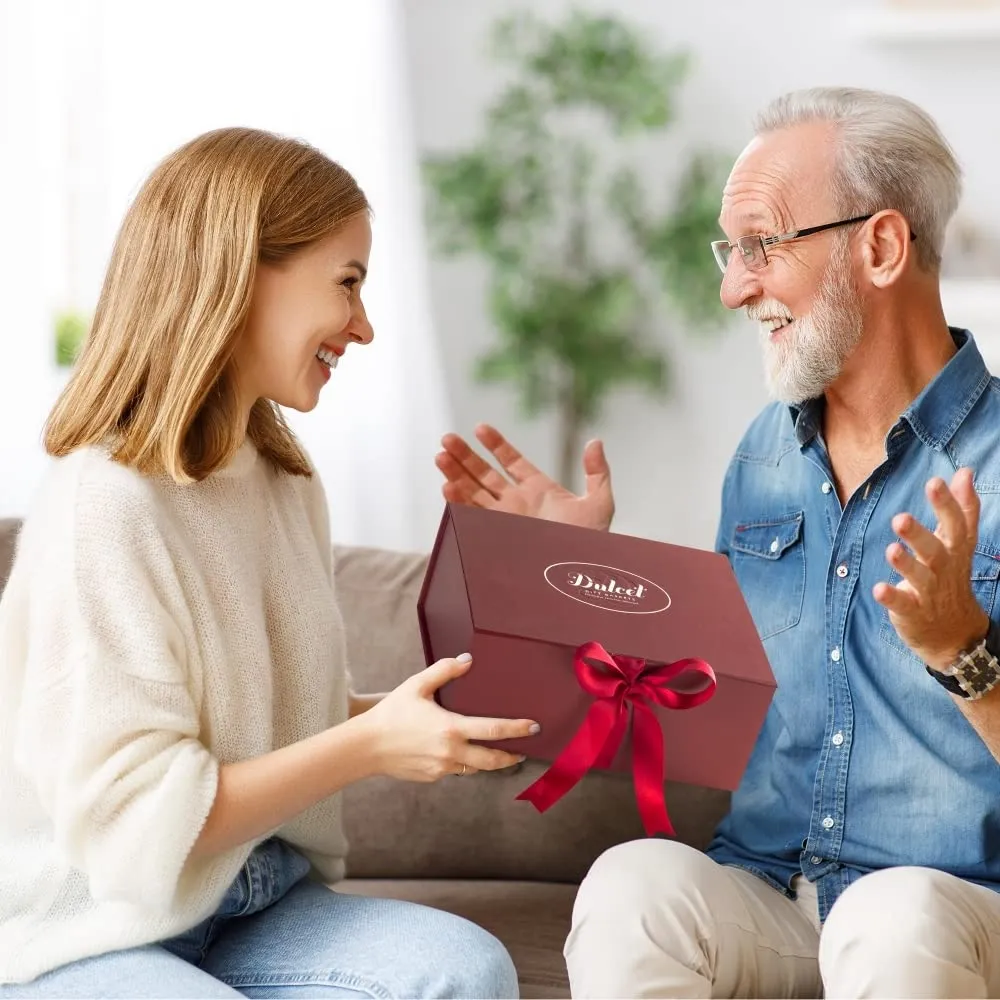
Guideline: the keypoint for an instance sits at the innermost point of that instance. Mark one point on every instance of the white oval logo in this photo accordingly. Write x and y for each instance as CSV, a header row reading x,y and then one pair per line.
x,y
607,588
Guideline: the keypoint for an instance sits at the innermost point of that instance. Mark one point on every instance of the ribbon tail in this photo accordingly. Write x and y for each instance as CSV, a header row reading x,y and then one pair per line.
x,y
577,757
648,771
614,739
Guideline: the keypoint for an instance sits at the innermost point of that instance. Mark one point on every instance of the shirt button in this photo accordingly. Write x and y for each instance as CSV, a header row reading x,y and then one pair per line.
x,y
838,739
827,487
774,545
816,860
842,570
828,823
835,654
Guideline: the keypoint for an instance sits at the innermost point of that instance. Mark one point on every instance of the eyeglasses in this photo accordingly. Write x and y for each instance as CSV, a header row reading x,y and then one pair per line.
x,y
753,250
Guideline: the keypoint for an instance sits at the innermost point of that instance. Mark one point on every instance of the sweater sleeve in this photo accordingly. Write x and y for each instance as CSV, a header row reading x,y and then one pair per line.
x,y
109,720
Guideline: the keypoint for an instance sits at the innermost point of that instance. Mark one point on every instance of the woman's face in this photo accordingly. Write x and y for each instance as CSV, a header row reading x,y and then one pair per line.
x,y
303,314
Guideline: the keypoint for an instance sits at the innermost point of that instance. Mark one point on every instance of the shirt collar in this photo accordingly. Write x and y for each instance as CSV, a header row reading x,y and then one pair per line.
x,y
937,412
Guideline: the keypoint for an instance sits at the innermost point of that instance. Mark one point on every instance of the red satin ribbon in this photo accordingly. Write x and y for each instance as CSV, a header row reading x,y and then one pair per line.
x,y
626,681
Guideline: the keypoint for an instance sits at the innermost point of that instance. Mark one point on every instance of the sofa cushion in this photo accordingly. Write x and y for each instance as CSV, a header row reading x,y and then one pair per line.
x,y
472,827
531,919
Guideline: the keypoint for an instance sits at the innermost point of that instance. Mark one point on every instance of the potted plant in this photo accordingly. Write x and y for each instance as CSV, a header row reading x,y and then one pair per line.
x,y
579,251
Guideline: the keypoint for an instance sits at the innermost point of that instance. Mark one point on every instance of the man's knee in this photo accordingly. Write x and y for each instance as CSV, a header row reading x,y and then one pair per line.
x,y
635,920
882,914
629,878
912,932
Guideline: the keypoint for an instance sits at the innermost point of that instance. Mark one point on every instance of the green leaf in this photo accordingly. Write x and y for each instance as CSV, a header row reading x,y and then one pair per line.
x,y
589,326
517,34
518,115
71,328
604,62
679,243
626,200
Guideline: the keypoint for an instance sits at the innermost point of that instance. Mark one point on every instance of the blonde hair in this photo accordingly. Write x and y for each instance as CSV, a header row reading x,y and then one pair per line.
x,y
891,155
155,380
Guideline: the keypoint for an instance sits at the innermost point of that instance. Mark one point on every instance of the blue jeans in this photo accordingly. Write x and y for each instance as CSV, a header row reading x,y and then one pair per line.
x,y
277,934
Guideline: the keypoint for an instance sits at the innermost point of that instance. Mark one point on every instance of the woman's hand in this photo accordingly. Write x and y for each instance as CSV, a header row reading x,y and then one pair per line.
x,y
414,739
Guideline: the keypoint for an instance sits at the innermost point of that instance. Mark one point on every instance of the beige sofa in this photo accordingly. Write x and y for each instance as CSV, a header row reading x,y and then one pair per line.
x,y
464,844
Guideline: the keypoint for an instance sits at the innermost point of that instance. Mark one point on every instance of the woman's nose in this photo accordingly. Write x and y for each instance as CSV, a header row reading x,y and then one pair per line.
x,y
361,331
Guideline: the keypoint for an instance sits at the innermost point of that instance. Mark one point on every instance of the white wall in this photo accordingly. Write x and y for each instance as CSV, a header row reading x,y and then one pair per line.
x,y
668,460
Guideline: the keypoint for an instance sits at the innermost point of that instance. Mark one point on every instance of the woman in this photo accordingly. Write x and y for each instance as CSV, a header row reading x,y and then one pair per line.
x,y
175,713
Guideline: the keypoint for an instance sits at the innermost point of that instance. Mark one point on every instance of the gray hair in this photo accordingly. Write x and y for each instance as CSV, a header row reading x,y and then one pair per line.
x,y
892,156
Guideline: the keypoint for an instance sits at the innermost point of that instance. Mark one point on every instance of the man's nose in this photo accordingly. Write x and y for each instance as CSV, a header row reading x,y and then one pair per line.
x,y
739,284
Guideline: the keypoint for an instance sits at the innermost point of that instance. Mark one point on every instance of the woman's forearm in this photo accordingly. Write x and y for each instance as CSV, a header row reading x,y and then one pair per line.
x,y
258,795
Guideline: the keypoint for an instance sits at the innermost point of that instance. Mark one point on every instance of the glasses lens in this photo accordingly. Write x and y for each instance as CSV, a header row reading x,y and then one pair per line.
x,y
722,250
752,252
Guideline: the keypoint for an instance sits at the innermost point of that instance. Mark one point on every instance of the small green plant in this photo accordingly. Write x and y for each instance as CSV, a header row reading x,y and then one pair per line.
x,y
71,328
576,248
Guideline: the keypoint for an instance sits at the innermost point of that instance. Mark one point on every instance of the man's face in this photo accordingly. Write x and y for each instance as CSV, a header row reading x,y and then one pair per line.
x,y
805,298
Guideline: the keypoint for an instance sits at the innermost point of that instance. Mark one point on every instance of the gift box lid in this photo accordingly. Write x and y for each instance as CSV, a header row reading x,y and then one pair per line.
x,y
557,583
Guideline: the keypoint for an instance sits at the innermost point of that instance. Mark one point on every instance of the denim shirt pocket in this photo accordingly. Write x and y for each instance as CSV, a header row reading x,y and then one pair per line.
x,y
769,561
985,574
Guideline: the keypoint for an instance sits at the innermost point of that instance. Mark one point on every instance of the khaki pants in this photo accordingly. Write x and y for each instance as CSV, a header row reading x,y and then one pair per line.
x,y
654,918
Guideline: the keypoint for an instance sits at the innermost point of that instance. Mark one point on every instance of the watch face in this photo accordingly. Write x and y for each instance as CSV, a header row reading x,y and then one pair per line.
x,y
978,673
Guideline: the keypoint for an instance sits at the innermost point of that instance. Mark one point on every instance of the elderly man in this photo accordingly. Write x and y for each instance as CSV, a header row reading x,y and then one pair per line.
x,y
861,853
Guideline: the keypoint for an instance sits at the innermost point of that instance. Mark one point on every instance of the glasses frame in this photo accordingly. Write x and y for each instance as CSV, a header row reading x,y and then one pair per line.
x,y
748,245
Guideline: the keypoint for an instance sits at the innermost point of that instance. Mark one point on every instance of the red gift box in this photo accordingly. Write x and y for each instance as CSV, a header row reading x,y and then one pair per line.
x,y
632,654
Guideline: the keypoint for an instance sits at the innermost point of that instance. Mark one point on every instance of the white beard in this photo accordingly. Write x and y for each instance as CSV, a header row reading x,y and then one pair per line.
x,y
807,359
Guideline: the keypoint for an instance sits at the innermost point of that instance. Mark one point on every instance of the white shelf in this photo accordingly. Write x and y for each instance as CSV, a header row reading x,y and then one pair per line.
x,y
899,25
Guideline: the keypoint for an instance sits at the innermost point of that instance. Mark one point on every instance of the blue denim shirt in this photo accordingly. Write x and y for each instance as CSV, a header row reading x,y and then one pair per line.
x,y
864,761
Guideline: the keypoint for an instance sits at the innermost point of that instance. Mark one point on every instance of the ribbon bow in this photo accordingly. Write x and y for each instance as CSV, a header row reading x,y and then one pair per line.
x,y
618,682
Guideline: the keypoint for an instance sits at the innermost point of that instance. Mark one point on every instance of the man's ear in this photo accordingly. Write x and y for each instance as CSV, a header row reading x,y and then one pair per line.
x,y
886,247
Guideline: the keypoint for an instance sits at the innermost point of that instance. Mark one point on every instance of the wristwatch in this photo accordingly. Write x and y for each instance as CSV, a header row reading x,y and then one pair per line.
x,y
973,673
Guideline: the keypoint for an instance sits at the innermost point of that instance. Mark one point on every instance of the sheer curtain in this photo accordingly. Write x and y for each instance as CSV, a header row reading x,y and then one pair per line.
x,y
135,80
33,271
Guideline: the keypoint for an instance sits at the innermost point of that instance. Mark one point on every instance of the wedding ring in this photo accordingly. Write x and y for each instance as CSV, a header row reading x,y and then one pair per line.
x,y
462,772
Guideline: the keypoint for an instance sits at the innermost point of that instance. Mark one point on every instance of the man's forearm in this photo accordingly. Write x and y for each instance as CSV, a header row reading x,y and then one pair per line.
x,y
984,714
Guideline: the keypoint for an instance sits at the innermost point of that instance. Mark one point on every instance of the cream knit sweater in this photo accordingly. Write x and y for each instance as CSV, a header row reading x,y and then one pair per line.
x,y
148,633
